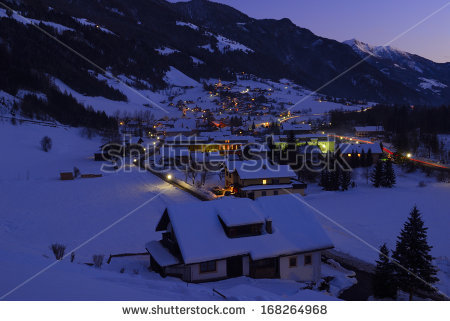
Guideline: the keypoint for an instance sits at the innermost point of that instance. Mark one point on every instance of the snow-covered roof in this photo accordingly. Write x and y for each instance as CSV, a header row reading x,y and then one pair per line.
x,y
369,128
240,212
207,157
289,126
201,237
257,148
262,187
161,254
359,148
171,152
180,139
259,168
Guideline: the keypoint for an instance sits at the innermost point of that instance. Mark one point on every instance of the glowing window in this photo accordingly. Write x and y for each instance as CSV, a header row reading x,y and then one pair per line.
x,y
264,181
349,155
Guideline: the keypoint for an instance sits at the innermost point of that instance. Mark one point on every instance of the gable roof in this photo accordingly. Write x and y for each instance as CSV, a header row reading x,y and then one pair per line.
x,y
369,128
201,236
259,168
359,148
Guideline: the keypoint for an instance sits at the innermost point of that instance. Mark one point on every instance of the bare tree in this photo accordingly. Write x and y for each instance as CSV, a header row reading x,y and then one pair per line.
x,y
46,143
98,260
58,250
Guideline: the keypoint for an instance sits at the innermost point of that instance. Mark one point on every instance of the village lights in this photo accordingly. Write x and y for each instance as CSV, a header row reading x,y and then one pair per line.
x,y
409,155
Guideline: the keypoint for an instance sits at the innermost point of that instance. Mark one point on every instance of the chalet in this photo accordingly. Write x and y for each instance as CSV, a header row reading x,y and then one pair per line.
x,y
296,129
369,131
360,151
255,178
272,237
323,141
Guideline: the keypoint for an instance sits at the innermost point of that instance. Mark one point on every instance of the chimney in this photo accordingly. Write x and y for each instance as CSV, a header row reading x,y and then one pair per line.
x,y
269,225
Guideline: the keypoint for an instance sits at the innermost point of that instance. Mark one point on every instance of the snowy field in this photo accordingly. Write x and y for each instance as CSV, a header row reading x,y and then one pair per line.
x,y
38,209
378,215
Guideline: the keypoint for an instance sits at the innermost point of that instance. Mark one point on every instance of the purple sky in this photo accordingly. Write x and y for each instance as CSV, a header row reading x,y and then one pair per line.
x,y
373,22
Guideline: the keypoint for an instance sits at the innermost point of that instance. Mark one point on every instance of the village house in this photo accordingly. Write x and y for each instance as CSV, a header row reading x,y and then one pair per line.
x,y
272,237
369,131
255,178
348,151
296,129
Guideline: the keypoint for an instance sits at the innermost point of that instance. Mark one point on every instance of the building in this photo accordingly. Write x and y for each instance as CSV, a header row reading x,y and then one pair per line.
x,y
323,141
360,151
296,129
259,177
310,153
272,237
369,131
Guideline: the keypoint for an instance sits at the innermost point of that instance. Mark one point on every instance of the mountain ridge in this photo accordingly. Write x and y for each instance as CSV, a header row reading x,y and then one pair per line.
x,y
216,35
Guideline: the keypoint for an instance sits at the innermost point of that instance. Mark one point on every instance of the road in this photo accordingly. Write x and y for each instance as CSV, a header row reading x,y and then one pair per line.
x,y
421,161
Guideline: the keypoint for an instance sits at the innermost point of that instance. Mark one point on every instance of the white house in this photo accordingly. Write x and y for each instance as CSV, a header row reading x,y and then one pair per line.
x,y
369,131
272,237
260,177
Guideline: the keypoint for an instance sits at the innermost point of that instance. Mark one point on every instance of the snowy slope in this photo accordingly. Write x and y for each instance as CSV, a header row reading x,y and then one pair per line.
x,y
38,209
377,216
22,19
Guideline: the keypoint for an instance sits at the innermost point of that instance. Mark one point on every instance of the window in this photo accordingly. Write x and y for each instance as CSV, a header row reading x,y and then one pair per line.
x,y
293,261
349,155
275,192
264,181
263,193
308,259
209,266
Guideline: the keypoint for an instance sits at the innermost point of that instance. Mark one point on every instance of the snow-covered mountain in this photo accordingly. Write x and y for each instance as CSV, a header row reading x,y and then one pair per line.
x,y
144,41
423,75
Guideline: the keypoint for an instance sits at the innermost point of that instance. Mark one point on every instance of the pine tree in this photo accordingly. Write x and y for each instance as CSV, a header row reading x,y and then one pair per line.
x,y
354,162
413,253
383,281
377,174
345,179
369,158
325,179
388,175
362,159
335,179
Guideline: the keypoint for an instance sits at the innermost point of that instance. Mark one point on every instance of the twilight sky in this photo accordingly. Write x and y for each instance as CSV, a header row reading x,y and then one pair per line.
x,y
373,22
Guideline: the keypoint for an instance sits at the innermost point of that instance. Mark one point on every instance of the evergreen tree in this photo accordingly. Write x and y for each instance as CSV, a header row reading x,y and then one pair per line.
x,y
334,181
291,137
369,158
354,160
325,179
413,253
362,159
388,175
345,179
377,174
383,281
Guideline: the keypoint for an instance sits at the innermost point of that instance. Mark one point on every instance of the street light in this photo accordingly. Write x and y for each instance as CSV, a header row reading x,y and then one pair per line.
x,y
169,176
408,155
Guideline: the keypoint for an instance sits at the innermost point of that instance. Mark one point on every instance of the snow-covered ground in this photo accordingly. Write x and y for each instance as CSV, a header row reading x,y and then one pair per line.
x,y
38,209
377,215
22,19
